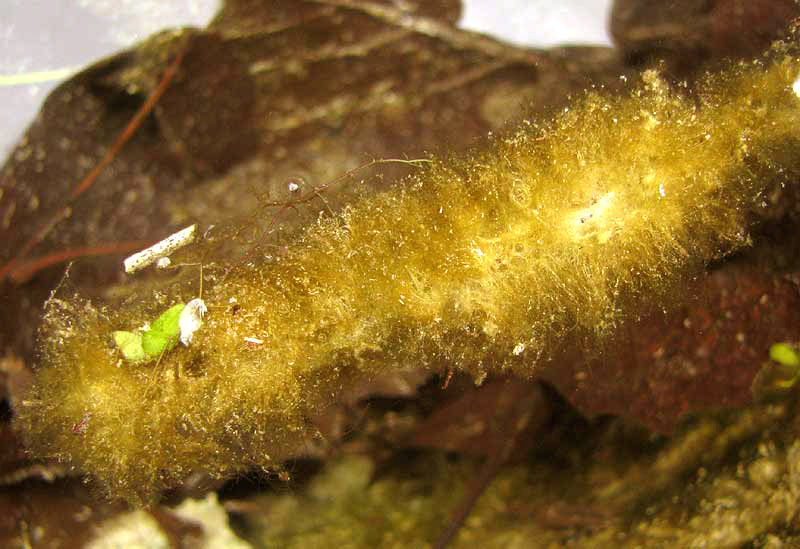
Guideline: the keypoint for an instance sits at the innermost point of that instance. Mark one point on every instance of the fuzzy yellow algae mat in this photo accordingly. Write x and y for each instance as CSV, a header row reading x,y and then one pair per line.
x,y
550,237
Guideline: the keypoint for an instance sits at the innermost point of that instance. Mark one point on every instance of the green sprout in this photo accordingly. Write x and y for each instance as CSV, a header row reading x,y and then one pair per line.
x,y
178,323
130,345
787,357
162,336
785,354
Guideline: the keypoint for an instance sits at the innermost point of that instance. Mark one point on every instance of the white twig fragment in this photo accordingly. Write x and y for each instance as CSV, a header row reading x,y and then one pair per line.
x,y
142,259
254,340
191,319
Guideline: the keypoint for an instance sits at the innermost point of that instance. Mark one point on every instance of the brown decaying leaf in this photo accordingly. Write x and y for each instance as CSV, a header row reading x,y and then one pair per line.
x,y
703,356
689,34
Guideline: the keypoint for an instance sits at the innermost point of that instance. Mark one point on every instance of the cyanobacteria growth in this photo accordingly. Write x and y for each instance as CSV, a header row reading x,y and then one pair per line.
x,y
550,237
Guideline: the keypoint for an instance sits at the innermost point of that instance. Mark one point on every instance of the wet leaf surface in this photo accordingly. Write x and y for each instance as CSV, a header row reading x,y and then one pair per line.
x,y
703,356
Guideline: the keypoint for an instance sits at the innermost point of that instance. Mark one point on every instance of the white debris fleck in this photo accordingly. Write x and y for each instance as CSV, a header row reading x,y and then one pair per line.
x,y
519,348
142,259
233,300
254,340
191,319
293,187
796,87
163,262
661,190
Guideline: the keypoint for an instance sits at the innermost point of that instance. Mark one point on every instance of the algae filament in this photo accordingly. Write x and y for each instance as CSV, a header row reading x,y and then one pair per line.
x,y
550,237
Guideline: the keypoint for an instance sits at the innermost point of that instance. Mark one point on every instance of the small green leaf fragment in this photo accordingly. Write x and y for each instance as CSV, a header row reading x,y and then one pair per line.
x,y
785,354
130,345
164,332
155,344
169,321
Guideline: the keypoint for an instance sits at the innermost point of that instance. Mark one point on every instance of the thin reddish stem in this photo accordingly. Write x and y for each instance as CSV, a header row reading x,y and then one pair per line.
x,y
24,271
